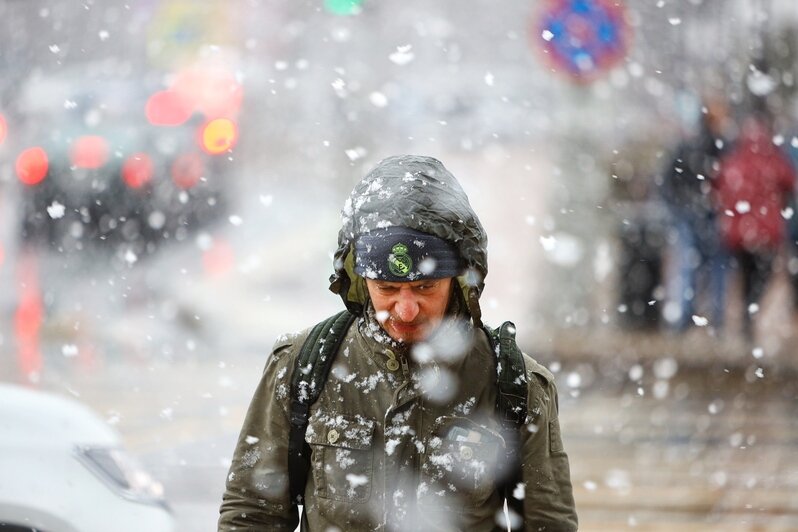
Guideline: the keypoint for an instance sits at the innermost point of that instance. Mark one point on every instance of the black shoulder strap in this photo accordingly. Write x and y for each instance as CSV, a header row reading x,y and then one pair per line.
x,y
310,373
511,407
511,400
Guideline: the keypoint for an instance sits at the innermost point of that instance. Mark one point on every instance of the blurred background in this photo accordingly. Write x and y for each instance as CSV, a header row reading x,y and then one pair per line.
x,y
172,173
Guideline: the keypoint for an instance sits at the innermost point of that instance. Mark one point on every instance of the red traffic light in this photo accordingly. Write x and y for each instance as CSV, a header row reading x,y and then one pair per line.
x,y
167,108
137,170
32,166
89,151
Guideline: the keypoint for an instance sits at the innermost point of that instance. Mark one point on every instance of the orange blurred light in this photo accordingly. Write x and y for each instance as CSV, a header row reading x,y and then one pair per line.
x,y
168,108
218,136
137,170
89,151
187,170
3,128
32,165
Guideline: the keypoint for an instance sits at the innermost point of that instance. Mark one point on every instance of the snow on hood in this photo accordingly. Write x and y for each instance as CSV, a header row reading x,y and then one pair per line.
x,y
420,193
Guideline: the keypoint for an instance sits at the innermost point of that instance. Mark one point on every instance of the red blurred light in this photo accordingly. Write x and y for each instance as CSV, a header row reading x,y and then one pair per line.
x,y
32,165
89,151
137,170
168,108
214,91
219,259
28,316
218,136
3,128
187,170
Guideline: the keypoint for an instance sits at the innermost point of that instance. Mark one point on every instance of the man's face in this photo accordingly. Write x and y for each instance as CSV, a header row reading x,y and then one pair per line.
x,y
408,311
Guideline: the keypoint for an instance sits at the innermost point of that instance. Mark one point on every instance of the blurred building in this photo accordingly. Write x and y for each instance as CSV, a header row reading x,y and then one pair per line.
x,y
330,87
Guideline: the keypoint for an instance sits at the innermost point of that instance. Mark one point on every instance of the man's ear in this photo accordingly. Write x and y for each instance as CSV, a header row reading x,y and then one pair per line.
x,y
366,298
456,303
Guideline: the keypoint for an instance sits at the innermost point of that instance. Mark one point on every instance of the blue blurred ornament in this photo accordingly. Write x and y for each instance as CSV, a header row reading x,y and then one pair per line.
x,y
582,38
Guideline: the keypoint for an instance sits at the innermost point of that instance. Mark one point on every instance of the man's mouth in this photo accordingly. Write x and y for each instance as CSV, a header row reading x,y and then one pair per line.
x,y
404,327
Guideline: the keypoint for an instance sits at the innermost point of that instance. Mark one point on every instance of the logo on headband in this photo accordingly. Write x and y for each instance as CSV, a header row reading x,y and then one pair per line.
x,y
399,262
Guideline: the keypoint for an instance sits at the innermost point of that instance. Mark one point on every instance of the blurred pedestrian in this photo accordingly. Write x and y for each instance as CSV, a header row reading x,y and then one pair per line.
x,y
755,182
698,258
791,215
413,430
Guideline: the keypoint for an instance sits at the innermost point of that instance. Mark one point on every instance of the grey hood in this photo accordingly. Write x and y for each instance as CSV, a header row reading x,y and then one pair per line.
x,y
420,193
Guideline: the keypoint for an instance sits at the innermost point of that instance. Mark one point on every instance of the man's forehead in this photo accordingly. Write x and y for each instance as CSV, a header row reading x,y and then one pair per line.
x,y
399,284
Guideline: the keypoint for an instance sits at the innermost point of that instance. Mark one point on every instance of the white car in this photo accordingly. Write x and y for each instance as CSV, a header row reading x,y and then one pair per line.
x,y
62,469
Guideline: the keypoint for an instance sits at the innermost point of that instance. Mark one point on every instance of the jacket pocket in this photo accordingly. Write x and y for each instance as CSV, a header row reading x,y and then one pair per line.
x,y
341,456
459,465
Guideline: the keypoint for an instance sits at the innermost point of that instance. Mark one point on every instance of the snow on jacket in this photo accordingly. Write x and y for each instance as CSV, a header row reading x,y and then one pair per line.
x,y
381,455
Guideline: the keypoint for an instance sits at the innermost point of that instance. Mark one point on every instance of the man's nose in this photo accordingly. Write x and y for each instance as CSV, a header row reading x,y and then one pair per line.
x,y
407,307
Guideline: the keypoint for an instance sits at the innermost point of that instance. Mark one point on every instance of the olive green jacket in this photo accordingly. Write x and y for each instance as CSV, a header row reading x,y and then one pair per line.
x,y
384,456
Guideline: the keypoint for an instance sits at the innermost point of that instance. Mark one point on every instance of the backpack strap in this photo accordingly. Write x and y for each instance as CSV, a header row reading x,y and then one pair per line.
x,y
310,373
511,406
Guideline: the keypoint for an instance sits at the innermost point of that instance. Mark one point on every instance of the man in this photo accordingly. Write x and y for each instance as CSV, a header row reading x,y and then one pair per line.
x,y
755,182
687,191
404,434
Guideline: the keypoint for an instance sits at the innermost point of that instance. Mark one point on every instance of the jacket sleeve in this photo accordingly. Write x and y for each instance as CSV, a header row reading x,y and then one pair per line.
x,y
257,495
548,496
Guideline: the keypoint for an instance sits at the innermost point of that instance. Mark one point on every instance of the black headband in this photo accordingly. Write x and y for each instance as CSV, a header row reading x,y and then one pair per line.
x,y
401,254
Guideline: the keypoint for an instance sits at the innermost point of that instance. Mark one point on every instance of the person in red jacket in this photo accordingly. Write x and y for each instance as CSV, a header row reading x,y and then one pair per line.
x,y
753,185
